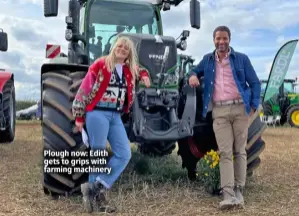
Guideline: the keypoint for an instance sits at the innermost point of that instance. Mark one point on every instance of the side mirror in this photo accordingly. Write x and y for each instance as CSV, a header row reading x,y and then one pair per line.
x,y
195,14
3,41
50,8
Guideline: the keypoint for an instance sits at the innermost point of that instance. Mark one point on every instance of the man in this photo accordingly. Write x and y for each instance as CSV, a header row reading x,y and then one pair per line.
x,y
232,87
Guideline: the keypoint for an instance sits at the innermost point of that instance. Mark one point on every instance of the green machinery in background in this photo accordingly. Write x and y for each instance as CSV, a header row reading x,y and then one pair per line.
x,y
284,104
279,98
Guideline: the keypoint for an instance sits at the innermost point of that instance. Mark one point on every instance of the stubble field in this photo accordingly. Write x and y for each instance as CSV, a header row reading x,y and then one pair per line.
x,y
165,190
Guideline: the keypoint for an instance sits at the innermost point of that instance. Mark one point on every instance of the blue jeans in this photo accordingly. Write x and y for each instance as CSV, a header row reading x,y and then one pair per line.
x,y
103,125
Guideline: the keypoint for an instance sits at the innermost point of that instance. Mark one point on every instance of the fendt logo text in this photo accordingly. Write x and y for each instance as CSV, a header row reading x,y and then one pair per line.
x,y
153,56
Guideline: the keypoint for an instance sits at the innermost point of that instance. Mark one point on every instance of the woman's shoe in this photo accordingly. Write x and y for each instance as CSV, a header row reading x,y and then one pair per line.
x,y
90,192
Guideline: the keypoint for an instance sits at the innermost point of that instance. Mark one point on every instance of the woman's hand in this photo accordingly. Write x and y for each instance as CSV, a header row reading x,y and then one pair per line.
x,y
146,81
79,125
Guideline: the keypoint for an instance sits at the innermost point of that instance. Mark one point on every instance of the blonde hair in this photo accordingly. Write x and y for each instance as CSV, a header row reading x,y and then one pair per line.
x,y
131,61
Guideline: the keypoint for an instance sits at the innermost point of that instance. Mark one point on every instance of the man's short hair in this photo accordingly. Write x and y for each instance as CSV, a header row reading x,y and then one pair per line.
x,y
222,28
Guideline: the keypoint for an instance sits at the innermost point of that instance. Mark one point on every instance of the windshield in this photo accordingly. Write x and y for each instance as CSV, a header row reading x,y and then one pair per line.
x,y
112,17
288,87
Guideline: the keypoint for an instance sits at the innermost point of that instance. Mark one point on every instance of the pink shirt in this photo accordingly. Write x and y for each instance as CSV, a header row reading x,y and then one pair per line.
x,y
225,87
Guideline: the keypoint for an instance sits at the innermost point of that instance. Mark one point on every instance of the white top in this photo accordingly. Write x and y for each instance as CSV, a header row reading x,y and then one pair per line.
x,y
85,137
119,69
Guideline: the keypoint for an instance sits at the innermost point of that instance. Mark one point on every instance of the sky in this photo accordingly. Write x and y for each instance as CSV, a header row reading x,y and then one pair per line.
x,y
259,28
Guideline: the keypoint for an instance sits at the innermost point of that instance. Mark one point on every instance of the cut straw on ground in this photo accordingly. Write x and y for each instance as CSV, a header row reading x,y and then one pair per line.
x,y
163,187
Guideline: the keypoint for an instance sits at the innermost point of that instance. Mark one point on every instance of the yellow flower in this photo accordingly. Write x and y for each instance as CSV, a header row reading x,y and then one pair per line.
x,y
208,161
215,163
206,174
211,166
210,152
214,157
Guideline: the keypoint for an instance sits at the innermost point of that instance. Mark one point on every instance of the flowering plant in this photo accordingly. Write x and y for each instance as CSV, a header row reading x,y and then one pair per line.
x,y
209,172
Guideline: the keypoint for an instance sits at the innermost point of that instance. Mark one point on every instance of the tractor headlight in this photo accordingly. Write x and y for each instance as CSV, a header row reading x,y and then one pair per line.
x,y
184,44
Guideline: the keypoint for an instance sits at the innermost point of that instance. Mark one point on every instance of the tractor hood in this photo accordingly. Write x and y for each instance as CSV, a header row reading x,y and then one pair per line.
x,y
150,51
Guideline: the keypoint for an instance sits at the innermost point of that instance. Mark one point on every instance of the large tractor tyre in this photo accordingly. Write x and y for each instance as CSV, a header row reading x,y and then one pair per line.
x,y
255,130
9,106
156,149
253,166
59,132
192,149
293,116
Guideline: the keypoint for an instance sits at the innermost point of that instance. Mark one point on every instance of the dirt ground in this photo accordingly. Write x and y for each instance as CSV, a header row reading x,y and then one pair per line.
x,y
273,190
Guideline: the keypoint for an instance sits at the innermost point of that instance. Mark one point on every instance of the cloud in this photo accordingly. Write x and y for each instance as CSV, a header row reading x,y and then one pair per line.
x,y
259,29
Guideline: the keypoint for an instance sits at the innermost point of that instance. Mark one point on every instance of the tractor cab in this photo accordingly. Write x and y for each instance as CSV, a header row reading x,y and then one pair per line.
x,y
289,86
106,20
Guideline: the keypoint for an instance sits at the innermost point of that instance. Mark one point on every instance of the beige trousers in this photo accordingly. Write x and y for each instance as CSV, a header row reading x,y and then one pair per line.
x,y
230,124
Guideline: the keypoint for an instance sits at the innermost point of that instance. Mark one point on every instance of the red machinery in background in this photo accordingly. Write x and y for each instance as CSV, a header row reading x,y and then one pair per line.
x,y
7,98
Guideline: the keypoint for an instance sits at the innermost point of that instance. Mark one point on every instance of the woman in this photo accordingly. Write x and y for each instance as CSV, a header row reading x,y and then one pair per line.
x,y
106,91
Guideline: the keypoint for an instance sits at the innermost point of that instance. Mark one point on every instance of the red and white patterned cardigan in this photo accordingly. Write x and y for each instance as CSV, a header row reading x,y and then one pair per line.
x,y
94,86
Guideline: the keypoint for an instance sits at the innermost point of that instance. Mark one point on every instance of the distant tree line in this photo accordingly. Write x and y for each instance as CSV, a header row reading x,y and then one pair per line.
x,y
24,104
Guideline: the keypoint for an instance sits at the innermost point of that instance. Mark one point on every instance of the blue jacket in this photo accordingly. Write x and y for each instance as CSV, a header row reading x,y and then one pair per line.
x,y
245,76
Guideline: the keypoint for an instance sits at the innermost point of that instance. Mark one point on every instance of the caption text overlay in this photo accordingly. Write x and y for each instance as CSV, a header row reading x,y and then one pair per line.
x,y
76,161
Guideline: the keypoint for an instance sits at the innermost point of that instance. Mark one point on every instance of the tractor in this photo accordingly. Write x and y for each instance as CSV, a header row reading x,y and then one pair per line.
x,y
91,28
7,98
161,115
284,104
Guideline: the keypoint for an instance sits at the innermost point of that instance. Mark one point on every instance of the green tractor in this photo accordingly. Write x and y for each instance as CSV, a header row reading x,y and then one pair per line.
x,y
91,29
284,104
165,114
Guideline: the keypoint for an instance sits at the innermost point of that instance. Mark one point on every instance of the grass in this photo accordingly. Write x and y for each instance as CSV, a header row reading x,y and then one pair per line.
x,y
163,190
